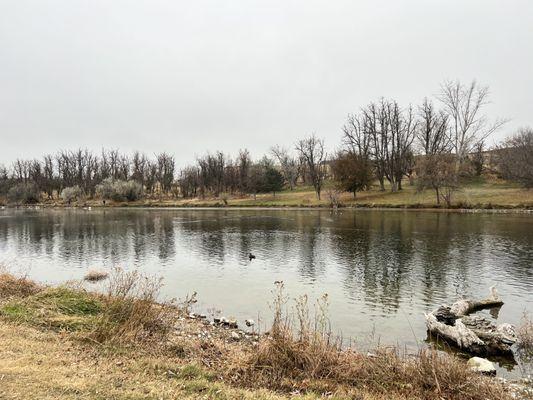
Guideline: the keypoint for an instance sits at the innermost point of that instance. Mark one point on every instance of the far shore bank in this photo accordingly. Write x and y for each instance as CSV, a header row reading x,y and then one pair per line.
x,y
475,196
477,208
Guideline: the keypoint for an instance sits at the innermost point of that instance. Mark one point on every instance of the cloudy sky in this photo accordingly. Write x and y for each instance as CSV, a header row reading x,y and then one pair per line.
x,y
191,76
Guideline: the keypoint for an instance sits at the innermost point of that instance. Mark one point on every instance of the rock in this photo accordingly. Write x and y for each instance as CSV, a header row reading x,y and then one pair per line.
x,y
481,365
235,336
217,321
249,322
233,324
521,389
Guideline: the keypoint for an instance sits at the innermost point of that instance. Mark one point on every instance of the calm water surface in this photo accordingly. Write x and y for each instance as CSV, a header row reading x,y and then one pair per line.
x,y
381,269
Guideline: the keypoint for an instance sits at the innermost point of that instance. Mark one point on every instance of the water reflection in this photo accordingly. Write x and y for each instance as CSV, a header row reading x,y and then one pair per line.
x,y
382,268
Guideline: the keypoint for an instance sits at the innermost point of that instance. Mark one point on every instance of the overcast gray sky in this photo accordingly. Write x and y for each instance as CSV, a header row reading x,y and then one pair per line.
x,y
197,75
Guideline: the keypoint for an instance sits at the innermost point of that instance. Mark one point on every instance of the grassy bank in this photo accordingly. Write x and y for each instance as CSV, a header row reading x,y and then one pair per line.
x,y
65,342
476,193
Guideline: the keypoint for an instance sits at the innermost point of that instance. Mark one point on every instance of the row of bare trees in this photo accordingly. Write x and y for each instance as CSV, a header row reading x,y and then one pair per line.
x,y
435,144
86,169
216,173
431,144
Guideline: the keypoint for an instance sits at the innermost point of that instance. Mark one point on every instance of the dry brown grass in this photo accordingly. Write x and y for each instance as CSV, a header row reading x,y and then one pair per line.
x,y
13,286
131,311
300,355
525,334
308,357
525,345
127,313
36,364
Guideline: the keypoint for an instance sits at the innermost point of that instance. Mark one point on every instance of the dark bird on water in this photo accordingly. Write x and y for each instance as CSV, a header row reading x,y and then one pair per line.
x,y
251,256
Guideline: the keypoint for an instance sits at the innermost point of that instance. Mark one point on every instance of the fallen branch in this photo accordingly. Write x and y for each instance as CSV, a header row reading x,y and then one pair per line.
x,y
474,334
464,307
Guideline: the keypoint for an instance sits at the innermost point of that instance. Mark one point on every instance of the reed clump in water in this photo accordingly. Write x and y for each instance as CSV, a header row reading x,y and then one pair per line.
x,y
95,275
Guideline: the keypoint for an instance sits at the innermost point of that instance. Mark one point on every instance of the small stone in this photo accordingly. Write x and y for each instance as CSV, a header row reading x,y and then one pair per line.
x,y
202,316
233,324
235,336
249,322
481,365
217,320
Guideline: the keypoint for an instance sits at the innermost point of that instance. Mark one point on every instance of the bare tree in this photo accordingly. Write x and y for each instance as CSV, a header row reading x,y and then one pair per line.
x,y
139,164
36,175
356,137
5,183
165,171
468,125
435,168
244,163
478,157
21,170
114,160
432,133
376,127
150,177
104,170
514,158
189,181
123,167
290,166
398,138
49,175
312,151
437,172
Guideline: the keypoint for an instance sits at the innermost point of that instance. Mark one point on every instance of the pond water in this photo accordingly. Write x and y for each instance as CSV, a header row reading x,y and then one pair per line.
x,y
381,269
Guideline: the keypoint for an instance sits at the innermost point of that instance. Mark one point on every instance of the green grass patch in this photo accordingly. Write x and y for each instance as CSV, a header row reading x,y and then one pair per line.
x,y
58,308
16,312
68,301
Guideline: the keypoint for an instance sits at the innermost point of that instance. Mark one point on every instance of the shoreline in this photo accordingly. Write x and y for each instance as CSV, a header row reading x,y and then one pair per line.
x,y
217,357
493,208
